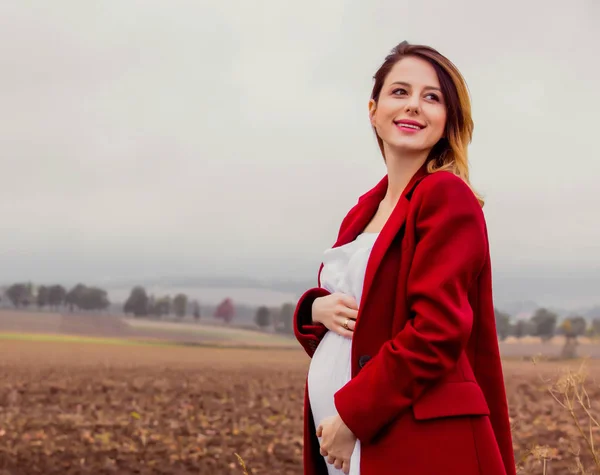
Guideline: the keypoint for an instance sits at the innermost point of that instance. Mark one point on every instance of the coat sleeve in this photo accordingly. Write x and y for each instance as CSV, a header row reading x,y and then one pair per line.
x,y
307,332
449,254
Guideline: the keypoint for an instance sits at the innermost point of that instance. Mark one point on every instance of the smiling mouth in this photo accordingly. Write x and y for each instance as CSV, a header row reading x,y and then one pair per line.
x,y
409,125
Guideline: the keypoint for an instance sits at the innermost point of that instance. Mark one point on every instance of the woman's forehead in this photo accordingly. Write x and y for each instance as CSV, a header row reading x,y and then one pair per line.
x,y
413,71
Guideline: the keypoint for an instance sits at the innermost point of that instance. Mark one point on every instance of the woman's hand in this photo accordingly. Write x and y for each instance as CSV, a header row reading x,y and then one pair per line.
x,y
337,312
337,442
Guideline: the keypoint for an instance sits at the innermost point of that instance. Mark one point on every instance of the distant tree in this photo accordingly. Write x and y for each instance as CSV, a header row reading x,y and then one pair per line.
x,y
518,329
94,298
286,316
502,324
20,295
137,302
43,296
29,294
151,303
572,328
165,305
196,309
56,296
594,329
74,297
160,307
225,310
82,297
15,294
521,328
263,317
180,305
275,317
544,322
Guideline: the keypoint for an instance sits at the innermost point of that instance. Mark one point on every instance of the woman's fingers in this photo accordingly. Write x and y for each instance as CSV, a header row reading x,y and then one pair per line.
x,y
346,467
335,311
342,310
351,322
346,312
348,301
345,319
343,331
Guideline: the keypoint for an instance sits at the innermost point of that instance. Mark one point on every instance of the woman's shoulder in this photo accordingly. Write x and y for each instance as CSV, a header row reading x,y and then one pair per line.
x,y
444,179
445,189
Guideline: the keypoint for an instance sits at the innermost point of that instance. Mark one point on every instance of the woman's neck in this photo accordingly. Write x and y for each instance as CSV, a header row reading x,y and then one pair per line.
x,y
400,169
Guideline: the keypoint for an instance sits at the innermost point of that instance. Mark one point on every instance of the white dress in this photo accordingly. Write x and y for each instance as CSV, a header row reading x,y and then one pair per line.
x,y
330,367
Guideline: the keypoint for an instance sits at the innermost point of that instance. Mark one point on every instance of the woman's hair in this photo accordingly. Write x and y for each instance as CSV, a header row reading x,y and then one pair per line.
x,y
450,153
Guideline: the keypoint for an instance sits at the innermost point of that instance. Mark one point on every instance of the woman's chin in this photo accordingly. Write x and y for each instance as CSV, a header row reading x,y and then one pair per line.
x,y
407,147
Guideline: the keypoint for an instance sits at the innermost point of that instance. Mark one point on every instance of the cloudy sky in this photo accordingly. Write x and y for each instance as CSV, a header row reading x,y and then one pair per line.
x,y
145,138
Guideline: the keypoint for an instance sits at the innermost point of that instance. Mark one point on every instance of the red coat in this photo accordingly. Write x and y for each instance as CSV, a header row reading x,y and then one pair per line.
x,y
427,392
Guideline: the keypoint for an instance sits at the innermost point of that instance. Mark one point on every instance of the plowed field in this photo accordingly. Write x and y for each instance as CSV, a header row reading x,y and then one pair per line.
x,y
72,408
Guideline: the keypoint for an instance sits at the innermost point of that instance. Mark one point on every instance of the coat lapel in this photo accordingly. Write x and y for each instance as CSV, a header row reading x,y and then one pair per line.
x,y
364,212
389,232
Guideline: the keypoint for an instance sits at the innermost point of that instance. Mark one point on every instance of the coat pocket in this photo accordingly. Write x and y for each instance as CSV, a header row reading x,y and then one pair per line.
x,y
451,399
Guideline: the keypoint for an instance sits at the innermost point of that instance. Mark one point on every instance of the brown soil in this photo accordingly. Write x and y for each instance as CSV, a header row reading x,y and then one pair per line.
x,y
83,408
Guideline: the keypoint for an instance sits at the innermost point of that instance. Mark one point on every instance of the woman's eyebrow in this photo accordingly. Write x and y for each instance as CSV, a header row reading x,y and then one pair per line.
x,y
402,83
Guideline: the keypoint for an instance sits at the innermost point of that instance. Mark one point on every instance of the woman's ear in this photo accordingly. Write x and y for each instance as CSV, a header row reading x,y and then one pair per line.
x,y
372,110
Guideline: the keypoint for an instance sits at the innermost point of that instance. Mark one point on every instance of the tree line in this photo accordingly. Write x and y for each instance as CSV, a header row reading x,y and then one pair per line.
x,y
80,296
281,319
141,304
545,325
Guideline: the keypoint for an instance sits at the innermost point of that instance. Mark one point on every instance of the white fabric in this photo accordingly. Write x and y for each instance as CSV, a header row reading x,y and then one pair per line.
x,y
330,368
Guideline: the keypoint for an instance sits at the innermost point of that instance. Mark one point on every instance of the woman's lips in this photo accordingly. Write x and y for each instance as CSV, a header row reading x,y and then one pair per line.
x,y
408,128
409,125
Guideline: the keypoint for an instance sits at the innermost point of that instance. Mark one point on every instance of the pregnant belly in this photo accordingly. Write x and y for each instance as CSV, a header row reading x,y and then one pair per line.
x,y
329,370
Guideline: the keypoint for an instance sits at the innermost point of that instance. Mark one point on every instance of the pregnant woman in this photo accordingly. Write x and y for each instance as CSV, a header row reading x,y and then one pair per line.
x,y
405,376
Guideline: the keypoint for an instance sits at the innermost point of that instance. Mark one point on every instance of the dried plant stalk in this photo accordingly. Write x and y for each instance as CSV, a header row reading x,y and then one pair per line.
x,y
570,392
242,464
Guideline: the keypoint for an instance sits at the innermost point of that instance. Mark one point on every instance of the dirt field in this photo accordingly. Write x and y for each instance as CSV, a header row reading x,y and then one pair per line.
x,y
210,333
111,326
71,408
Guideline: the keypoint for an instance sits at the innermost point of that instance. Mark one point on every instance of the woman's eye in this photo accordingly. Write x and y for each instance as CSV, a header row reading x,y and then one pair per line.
x,y
399,92
433,97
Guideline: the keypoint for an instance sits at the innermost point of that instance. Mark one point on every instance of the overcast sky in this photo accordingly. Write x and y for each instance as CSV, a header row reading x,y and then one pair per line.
x,y
143,138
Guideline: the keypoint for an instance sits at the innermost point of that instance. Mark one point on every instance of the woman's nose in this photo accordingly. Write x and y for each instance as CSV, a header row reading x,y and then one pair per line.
x,y
412,104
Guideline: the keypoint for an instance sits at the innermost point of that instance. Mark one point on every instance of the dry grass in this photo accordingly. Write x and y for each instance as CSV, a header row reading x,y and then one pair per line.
x,y
570,391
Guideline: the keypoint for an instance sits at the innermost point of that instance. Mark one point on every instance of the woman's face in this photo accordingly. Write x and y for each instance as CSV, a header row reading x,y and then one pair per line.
x,y
410,115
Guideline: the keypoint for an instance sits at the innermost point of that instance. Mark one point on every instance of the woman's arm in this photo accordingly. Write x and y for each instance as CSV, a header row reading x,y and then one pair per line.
x,y
307,332
450,253
319,311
